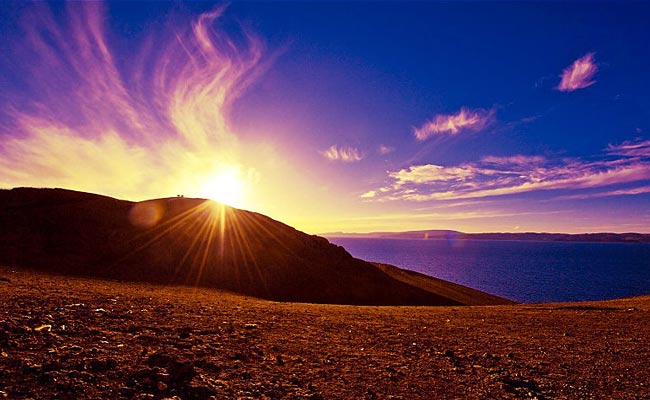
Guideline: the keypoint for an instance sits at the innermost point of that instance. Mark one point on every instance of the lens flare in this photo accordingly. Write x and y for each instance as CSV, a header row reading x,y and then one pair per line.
x,y
146,213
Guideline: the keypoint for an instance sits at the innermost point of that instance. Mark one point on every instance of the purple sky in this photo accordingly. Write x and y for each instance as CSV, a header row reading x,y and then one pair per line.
x,y
339,116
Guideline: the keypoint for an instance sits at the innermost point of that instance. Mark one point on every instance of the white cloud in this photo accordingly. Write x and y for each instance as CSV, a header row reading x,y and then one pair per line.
x,y
452,124
344,154
500,176
579,75
431,173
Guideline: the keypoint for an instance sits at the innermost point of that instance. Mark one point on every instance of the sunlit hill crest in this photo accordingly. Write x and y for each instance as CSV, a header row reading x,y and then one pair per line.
x,y
194,242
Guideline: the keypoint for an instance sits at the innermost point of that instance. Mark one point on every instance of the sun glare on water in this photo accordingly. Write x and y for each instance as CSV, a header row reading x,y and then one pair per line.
x,y
225,187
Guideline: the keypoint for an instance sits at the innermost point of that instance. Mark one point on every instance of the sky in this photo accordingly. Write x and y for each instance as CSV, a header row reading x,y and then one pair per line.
x,y
337,116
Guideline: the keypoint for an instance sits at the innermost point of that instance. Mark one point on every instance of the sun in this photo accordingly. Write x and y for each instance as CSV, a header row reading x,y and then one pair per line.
x,y
224,187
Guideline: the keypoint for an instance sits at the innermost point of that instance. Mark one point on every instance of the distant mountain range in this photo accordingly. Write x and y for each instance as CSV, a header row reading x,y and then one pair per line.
x,y
203,243
529,236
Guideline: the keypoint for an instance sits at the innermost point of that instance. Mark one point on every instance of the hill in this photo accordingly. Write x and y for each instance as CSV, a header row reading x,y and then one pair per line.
x,y
196,242
427,234
630,237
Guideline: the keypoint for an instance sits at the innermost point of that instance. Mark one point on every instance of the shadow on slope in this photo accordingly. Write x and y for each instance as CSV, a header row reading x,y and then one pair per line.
x,y
450,290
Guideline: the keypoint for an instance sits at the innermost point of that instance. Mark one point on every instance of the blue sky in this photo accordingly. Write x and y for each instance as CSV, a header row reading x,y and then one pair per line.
x,y
400,64
348,116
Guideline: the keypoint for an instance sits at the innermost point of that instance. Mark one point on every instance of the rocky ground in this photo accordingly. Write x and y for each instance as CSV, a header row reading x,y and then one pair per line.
x,y
64,337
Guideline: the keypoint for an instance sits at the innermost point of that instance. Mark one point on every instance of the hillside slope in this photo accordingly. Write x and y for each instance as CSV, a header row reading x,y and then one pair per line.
x,y
190,241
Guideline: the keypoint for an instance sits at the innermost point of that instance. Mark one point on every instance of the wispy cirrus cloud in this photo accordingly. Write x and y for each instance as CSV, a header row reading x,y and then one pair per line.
x,y
343,154
148,128
630,149
609,193
579,75
514,160
501,176
451,124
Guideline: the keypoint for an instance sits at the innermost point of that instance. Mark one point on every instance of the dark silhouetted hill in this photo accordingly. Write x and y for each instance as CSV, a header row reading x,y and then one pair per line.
x,y
196,242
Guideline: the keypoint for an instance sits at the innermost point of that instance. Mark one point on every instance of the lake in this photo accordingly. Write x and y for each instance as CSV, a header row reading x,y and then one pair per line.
x,y
523,271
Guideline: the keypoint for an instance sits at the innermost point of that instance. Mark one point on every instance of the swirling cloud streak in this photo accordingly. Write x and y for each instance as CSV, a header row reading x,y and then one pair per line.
x,y
156,128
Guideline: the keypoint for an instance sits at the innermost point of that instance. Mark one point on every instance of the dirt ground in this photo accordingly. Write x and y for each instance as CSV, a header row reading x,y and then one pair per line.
x,y
63,337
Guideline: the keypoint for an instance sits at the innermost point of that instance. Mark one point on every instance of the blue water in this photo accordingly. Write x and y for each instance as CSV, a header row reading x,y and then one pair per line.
x,y
523,271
